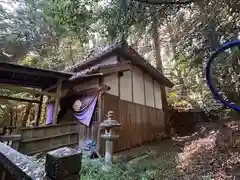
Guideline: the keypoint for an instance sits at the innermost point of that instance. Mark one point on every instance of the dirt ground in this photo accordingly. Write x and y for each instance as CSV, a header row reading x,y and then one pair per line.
x,y
159,158
160,150
210,153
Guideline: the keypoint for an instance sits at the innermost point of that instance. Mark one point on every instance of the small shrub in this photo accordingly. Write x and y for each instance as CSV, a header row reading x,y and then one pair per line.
x,y
161,167
93,169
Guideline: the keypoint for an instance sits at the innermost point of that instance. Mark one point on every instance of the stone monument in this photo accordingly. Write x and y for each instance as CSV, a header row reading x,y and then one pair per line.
x,y
110,126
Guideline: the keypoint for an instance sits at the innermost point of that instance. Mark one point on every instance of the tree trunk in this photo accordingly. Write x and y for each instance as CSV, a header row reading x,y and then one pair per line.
x,y
173,44
71,54
157,48
159,66
172,39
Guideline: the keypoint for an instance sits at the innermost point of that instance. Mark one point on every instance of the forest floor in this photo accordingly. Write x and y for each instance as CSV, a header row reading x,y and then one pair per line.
x,y
208,154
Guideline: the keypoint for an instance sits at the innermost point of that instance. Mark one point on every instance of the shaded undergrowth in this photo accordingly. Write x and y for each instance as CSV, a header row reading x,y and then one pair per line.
x,y
151,167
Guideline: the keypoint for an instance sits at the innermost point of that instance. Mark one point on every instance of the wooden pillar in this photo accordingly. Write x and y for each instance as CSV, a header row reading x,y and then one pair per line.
x,y
99,116
100,110
11,120
56,105
39,111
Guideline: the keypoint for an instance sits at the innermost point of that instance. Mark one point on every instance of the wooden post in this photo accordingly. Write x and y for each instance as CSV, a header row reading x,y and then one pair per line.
x,y
35,112
11,120
39,111
100,109
100,104
56,105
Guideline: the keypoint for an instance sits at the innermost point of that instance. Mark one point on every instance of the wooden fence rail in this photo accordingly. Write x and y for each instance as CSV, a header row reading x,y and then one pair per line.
x,y
11,140
45,138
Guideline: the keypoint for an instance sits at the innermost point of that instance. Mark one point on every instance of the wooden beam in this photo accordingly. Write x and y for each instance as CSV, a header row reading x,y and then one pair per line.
x,y
154,93
19,99
119,77
32,71
57,98
11,137
85,76
132,84
116,68
100,111
39,110
22,89
119,83
20,83
54,87
102,88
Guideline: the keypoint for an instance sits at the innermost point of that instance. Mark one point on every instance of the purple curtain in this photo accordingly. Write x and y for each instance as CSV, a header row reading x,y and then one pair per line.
x,y
88,105
88,100
49,114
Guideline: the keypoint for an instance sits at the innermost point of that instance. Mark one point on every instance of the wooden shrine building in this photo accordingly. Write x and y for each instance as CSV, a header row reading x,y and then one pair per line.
x,y
115,78
130,87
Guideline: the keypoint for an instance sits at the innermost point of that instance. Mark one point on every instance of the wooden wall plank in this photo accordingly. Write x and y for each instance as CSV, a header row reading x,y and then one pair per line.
x,y
139,124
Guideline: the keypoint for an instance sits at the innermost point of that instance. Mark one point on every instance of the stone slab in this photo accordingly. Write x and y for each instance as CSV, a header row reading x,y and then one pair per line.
x,y
20,166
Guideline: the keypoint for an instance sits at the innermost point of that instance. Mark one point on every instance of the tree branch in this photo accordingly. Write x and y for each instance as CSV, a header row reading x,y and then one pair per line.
x,y
171,2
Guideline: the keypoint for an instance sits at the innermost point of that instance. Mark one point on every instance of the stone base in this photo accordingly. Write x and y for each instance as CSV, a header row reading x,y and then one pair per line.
x,y
63,164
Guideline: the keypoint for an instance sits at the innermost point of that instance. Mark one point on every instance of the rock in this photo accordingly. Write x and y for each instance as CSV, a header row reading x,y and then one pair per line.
x,y
19,165
136,161
63,163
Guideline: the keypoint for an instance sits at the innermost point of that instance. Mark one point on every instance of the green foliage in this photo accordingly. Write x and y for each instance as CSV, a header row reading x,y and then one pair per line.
x,y
60,33
154,167
94,170
76,15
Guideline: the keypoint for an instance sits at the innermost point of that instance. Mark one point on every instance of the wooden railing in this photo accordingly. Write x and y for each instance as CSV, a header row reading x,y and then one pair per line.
x,y
34,140
45,138
11,140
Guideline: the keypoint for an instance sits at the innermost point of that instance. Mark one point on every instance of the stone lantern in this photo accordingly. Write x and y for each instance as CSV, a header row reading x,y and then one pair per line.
x,y
110,126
